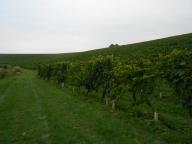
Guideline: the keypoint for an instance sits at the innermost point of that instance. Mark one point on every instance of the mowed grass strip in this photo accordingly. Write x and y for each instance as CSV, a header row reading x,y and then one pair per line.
x,y
73,120
5,83
35,111
20,114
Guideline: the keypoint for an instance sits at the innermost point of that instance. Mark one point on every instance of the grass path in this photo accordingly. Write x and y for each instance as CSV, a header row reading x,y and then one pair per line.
x,y
33,112
45,135
5,89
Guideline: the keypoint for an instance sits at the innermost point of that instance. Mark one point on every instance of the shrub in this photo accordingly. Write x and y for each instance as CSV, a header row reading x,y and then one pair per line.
x,y
16,70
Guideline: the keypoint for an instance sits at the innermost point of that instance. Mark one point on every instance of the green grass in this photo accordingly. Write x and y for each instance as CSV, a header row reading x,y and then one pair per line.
x,y
35,111
126,52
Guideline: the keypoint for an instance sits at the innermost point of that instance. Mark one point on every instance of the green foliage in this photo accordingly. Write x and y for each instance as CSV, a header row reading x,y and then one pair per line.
x,y
177,69
58,71
110,75
77,74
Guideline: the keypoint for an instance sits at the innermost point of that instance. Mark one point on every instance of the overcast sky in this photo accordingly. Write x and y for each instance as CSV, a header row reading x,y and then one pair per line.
x,y
58,26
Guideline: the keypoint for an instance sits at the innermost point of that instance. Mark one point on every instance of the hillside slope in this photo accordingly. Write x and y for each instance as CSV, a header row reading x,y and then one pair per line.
x,y
126,52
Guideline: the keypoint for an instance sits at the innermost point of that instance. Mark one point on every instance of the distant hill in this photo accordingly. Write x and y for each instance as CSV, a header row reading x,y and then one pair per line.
x,y
125,52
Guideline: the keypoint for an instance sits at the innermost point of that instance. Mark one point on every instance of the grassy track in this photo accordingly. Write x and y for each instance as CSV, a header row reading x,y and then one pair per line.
x,y
33,111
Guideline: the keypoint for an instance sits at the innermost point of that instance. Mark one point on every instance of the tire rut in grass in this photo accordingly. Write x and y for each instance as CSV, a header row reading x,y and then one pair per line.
x,y
45,134
7,89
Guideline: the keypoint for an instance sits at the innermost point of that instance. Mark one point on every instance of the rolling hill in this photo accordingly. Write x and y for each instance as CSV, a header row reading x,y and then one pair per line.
x,y
126,52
